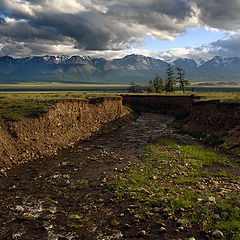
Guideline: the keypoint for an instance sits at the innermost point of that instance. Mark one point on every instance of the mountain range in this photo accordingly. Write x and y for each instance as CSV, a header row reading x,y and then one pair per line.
x,y
136,68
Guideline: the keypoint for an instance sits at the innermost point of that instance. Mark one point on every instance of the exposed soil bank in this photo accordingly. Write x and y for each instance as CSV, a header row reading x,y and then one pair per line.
x,y
205,117
160,104
66,123
213,116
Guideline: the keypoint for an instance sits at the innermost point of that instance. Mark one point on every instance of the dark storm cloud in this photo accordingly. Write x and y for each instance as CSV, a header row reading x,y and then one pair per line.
x,y
227,48
220,14
24,32
98,25
164,16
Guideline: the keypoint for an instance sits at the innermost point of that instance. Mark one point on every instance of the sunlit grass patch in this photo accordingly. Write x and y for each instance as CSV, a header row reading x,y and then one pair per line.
x,y
14,106
14,110
174,175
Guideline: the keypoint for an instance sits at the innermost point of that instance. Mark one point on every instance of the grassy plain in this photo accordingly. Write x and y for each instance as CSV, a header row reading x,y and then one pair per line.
x,y
61,86
14,105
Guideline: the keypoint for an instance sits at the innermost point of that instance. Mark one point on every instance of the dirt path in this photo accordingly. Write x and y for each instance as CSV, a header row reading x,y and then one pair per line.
x,y
68,196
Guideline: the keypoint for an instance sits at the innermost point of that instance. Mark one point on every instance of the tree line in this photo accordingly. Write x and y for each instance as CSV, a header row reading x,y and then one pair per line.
x,y
157,85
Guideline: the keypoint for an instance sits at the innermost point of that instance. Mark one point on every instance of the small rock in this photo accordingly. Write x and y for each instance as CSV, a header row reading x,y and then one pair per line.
x,y
141,233
191,238
126,226
28,217
104,180
66,164
216,216
182,222
74,216
217,234
166,210
115,223
133,206
210,200
162,224
182,209
162,230
215,182
224,214
20,208
180,229
149,214
156,210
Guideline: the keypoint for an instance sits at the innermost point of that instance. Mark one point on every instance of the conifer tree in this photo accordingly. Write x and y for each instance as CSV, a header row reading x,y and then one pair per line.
x,y
150,88
181,79
158,84
132,88
170,85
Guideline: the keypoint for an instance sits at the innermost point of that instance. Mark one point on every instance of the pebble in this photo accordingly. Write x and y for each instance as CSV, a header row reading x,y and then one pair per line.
x,y
180,229
217,234
104,180
115,223
163,230
162,224
210,200
224,214
216,216
74,216
127,226
156,210
182,222
141,233
28,217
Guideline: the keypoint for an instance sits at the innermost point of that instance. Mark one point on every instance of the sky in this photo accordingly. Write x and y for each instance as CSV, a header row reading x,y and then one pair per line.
x,y
165,29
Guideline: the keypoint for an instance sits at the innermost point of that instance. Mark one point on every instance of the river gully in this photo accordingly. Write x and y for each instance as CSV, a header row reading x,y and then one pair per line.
x,y
67,196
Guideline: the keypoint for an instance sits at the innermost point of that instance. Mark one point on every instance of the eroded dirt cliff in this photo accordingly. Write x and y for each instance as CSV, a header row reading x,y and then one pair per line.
x,y
67,122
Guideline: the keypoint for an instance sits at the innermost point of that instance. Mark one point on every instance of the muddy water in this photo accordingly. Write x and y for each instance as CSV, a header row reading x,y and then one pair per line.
x,y
67,196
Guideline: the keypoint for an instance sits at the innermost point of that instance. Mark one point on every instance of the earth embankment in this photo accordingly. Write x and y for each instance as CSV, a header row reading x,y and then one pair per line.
x,y
67,122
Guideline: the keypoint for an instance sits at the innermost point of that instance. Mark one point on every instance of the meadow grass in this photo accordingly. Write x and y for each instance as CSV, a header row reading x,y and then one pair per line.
x,y
174,175
14,105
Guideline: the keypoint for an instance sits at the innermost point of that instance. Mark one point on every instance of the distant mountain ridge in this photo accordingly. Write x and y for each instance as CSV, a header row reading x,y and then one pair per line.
x,y
137,68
